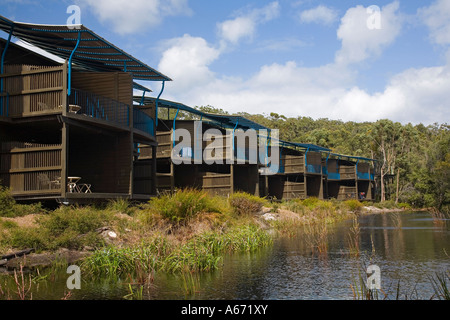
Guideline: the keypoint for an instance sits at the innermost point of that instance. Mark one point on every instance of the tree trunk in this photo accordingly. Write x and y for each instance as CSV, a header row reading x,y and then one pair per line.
x,y
398,186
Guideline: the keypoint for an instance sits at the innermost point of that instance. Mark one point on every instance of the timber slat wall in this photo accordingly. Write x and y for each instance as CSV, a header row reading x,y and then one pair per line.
x,y
217,183
293,164
347,172
33,89
31,168
116,86
292,190
164,149
347,192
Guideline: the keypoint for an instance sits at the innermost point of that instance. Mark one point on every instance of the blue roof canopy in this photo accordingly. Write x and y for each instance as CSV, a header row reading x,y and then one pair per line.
x,y
352,157
227,121
85,48
307,146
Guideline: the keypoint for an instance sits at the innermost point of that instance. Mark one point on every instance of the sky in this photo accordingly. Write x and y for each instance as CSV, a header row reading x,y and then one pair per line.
x,y
350,60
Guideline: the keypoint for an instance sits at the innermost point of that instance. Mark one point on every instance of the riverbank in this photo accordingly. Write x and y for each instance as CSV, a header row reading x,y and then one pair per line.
x,y
187,231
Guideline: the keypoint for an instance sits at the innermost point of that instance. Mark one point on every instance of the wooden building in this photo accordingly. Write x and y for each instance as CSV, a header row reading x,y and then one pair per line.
x,y
300,175
349,177
216,170
69,128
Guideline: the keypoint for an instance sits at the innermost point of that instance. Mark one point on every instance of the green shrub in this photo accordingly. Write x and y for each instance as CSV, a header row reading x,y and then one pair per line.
x,y
7,202
311,202
404,205
9,207
79,220
353,205
119,205
28,238
244,203
184,204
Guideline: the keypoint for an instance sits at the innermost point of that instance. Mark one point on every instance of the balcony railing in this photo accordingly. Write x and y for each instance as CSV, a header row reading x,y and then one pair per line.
x,y
314,168
4,105
364,175
334,176
98,107
143,122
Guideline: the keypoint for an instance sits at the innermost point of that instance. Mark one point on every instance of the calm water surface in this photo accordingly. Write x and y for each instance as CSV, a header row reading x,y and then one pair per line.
x,y
408,248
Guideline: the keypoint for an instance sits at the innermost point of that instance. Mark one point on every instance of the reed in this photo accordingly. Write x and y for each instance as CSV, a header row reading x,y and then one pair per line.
x,y
243,203
317,237
353,238
191,283
360,290
134,294
439,218
440,285
396,219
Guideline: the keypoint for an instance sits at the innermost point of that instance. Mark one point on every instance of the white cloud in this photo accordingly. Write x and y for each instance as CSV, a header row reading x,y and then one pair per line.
x,y
359,42
127,16
417,95
320,14
186,61
244,25
437,18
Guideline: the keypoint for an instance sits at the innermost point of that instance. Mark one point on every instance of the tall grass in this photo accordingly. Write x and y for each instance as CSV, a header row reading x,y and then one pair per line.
x,y
182,205
440,285
243,203
66,227
317,237
353,238
201,253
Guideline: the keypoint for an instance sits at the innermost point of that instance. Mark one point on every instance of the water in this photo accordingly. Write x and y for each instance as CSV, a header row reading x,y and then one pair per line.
x,y
408,248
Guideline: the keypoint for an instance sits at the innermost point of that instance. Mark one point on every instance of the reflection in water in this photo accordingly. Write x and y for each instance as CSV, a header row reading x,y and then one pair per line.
x,y
408,248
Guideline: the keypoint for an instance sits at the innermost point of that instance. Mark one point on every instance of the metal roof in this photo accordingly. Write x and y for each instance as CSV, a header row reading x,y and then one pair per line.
x,y
307,146
228,121
92,51
352,157
139,86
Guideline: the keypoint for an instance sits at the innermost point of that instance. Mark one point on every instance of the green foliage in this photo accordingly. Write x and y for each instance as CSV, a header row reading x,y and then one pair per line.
x,y
311,202
66,227
417,155
244,203
80,220
353,205
201,253
184,204
9,207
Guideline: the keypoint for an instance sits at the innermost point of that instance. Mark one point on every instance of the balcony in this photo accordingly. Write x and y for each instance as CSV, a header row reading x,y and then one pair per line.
x,y
42,90
98,107
143,122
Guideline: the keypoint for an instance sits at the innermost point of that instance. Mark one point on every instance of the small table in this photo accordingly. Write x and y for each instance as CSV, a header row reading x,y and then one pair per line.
x,y
72,183
74,108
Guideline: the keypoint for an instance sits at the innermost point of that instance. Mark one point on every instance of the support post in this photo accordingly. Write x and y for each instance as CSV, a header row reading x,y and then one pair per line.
x,y
156,103
1,70
154,177
70,64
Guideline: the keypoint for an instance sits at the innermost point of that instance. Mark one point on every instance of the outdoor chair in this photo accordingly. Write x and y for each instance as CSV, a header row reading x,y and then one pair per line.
x,y
44,183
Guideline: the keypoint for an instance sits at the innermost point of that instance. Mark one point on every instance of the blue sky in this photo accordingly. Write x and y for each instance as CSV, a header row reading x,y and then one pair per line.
x,y
297,58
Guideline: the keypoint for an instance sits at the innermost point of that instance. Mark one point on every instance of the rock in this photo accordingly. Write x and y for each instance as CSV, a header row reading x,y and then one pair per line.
x,y
112,234
269,216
